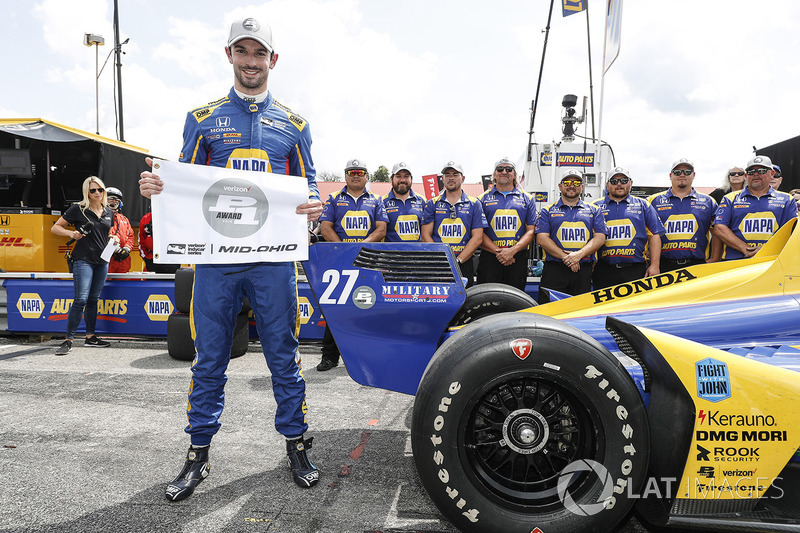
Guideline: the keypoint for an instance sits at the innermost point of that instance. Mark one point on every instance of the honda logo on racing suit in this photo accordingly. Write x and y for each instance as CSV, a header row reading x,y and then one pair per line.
x,y
223,122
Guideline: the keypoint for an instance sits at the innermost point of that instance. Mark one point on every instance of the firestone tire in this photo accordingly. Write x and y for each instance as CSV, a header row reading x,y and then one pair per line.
x,y
184,281
241,335
489,299
522,421
180,344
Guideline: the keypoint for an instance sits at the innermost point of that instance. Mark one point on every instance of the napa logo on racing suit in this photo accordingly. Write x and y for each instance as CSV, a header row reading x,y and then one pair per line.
x,y
506,223
356,223
620,232
758,226
407,227
158,307
680,227
713,380
452,230
30,305
246,159
235,207
573,234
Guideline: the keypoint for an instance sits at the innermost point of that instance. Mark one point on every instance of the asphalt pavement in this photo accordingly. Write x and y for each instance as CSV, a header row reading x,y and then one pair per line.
x,y
88,442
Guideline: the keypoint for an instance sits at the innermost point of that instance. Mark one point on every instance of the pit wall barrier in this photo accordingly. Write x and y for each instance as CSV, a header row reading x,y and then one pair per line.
x,y
130,304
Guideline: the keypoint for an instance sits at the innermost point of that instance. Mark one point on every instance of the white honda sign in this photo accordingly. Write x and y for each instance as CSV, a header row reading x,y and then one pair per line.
x,y
208,215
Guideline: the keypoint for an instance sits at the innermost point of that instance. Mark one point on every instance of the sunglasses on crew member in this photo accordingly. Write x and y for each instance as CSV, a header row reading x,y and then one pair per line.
x,y
99,189
356,172
752,171
504,169
571,183
614,181
732,174
685,172
453,213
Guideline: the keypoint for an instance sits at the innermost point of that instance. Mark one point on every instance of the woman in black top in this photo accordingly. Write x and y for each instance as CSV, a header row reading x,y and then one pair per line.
x,y
92,220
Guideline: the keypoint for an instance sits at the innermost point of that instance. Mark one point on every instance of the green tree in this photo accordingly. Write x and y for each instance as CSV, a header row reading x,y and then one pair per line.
x,y
382,174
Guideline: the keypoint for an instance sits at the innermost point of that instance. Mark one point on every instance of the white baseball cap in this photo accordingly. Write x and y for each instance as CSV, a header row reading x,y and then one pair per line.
x,y
400,166
250,28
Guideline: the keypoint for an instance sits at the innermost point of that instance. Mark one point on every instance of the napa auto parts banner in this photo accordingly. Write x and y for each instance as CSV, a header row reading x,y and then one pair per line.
x,y
208,215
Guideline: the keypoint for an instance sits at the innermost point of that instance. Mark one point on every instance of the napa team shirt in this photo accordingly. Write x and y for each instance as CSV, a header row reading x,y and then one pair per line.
x,y
630,222
404,217
687,222
455,231
508,215
353,218
571,227
754,219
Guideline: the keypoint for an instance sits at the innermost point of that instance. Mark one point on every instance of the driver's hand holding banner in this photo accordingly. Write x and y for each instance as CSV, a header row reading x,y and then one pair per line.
x,y
208,215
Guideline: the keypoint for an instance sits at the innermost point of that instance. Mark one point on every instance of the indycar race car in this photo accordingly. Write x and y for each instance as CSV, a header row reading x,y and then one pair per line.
x,y
676,393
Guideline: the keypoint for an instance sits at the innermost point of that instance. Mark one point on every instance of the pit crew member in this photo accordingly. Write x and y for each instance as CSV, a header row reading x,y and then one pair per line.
x,y
353,214
687,216
570,231
632,224
511,217
455,218
249,130
747,219
403,207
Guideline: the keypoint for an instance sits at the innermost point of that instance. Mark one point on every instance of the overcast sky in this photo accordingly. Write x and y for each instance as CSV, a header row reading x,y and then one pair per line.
x,y
428,81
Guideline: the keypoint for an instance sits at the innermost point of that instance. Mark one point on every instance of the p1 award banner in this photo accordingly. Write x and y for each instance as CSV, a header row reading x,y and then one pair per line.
x,y
211,215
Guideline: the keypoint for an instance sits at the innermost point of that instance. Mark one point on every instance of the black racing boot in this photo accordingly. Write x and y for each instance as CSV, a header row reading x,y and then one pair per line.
x,y
195,470
305,474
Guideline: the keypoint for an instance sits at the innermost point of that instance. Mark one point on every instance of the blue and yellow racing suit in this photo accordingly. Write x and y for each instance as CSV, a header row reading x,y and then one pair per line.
x,y
262,137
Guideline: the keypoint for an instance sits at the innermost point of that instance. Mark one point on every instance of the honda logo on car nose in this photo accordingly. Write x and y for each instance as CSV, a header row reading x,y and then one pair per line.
x,y
5,220
223,122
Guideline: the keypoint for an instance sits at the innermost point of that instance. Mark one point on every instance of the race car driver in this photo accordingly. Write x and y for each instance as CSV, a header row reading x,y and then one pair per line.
x,y
121,260
247,129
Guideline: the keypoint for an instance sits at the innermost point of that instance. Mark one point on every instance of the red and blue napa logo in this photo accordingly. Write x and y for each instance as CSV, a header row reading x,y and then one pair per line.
x,y
713,380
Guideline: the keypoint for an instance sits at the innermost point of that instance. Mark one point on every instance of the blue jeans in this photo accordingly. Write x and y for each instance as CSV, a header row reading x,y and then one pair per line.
x,y
89,279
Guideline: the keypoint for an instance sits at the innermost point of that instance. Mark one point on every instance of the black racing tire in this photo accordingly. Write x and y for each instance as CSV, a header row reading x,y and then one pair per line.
x,y
184,281
489,299
180,344
556,436
241,335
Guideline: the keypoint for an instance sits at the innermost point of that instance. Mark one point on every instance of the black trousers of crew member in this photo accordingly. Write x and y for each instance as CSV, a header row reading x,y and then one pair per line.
x,y
668,265
329,348
490,270
607,274
558,276
468,271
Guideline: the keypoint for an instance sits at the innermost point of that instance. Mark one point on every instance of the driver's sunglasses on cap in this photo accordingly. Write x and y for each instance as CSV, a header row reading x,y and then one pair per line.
x,y
453,213
504,169
356,172
614,181
685,172
99,189
572,183
732,174
752,171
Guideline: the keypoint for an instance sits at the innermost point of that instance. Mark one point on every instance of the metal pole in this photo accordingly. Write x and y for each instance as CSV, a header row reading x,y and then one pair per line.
x,y
539,83
119,70
591,84
97,86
